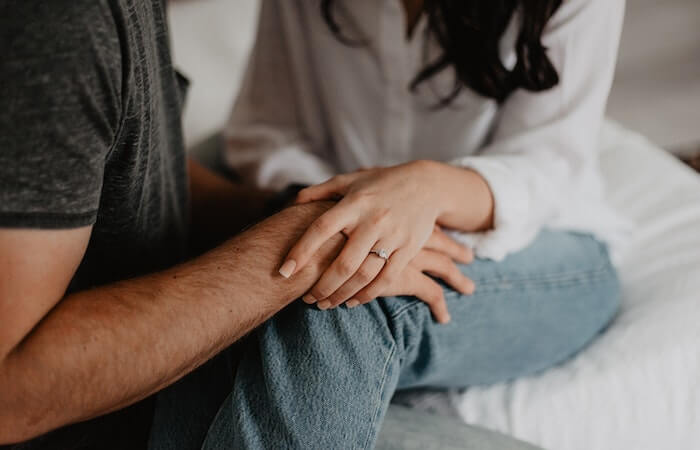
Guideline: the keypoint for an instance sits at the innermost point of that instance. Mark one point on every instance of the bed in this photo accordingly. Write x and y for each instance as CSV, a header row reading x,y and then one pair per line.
x,y
638,385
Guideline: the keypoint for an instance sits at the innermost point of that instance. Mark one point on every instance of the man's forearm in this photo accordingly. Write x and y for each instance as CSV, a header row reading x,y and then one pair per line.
x,y
103,349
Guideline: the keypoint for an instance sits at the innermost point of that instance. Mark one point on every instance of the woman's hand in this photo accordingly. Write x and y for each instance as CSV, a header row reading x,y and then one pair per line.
x,y
437,259
392,209
414,281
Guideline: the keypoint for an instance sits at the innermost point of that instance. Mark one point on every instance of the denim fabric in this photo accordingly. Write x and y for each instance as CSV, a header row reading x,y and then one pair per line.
x,y
312,379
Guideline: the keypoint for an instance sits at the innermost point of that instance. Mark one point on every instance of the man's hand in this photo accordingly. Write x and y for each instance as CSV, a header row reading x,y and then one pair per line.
x,y
99,350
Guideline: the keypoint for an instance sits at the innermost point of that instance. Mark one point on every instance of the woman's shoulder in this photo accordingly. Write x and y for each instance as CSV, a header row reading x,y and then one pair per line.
x,y
579,15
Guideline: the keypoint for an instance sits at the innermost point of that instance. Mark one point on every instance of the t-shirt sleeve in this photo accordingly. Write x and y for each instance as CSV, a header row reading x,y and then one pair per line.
x,y
60,97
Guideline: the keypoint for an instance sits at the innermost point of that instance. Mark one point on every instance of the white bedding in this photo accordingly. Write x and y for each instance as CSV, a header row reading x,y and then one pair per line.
x,y
638,386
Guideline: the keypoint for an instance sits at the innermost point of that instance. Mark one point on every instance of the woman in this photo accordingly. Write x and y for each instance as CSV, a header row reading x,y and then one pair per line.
x,y
481,117
505,98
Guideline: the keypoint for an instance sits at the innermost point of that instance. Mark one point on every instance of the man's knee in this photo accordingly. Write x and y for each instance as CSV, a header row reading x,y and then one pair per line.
x,y
307,326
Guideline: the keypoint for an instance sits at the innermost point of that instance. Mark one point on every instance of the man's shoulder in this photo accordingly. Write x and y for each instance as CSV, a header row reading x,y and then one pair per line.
x,y
61,77
36,27
55,15
63,46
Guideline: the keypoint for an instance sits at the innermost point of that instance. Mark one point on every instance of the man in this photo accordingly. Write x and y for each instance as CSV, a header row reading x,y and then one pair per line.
x,y
99,308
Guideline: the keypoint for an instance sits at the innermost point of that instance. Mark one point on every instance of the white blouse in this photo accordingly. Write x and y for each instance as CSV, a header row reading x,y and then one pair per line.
x,y
312,107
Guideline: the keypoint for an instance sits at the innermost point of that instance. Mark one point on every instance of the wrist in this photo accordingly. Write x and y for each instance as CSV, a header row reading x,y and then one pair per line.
x,y
440,183
268,243
463,198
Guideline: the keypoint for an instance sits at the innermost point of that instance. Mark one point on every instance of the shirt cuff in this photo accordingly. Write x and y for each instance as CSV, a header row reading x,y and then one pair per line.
x,y
292,166
513,227
278,167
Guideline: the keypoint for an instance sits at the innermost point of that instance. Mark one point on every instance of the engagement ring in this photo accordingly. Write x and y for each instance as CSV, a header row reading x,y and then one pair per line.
x,y
381,253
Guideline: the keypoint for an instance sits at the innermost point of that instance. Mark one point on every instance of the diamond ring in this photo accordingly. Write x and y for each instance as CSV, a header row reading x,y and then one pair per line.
x,y
382,253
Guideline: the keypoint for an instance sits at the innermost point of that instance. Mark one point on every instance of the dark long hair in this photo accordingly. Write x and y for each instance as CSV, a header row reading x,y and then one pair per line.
x,y
469,33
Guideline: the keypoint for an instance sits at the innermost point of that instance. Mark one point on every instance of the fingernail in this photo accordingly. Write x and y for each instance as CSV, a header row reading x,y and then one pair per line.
x,y
447,320
324,305
287,268
352,303
308,298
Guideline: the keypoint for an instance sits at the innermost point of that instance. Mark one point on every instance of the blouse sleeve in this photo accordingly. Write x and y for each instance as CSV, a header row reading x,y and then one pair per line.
x,y
268,137
545,144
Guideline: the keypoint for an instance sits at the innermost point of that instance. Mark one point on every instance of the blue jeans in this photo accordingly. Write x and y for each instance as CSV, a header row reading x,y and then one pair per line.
x,y
312,379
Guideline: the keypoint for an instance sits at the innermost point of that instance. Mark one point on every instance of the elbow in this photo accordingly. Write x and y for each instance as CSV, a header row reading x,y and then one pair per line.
x,y
8,436
15,423
11,431
14,428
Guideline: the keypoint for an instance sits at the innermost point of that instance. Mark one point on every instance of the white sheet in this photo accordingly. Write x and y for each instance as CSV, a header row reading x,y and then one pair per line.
x,y
637,386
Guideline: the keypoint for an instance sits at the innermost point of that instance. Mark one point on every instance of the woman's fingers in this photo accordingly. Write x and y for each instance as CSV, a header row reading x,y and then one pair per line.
x,y
335,187
367,272
441,242
440,266
347,263
387,277
414,282
429,292
372,267
323,228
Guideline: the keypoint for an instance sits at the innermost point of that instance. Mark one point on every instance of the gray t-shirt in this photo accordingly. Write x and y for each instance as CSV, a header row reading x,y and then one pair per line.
x,y
90,131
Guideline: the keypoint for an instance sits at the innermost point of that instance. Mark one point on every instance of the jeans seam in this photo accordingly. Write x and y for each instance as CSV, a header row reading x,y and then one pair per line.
x,y
571,278
561,280
375,416
562,276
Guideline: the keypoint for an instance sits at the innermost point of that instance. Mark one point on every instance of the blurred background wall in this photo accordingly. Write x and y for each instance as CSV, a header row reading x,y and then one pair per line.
x,y
656,89
657,84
